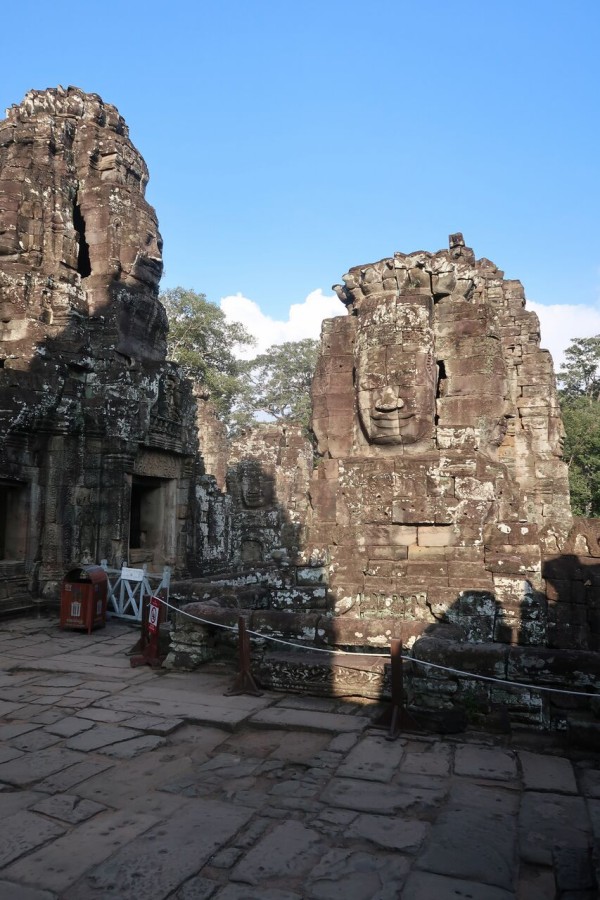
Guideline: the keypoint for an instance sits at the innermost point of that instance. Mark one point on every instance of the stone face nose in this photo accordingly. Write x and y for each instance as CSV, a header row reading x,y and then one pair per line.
x,y
388,400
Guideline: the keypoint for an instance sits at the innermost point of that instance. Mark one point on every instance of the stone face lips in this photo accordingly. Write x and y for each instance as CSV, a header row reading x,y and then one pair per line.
x,y
436,413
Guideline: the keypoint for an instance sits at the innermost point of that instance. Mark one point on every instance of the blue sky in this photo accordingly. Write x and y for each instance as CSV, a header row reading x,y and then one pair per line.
x,y
288,141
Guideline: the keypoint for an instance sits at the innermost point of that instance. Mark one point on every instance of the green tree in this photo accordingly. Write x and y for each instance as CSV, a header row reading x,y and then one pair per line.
x,y
204,343
277,384
579,383
579,376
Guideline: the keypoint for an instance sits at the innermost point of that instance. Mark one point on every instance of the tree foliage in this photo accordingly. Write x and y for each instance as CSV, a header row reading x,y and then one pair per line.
x,y
204,343
277,384
580,376
579,382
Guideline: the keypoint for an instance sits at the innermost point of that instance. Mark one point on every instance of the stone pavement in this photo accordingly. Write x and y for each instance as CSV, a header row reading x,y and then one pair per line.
x,y
128,783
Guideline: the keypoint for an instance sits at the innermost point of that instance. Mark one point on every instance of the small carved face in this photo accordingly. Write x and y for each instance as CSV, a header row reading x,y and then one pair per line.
x,y
253,489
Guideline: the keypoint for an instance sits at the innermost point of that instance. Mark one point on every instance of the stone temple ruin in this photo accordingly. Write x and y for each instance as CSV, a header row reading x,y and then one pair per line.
x,y
435,509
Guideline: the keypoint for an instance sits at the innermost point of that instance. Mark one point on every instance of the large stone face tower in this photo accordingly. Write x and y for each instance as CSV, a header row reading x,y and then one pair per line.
x,y
98,434
442,484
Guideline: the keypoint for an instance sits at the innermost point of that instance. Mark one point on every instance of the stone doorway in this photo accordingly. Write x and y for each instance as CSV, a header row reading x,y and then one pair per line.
x,y
152,520
13,521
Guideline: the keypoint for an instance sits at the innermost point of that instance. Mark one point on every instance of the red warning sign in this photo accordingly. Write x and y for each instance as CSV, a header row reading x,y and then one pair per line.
x,y
153,614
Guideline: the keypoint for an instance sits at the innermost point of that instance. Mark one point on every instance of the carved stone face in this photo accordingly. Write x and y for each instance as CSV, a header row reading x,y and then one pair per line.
x,y
395,382
254,488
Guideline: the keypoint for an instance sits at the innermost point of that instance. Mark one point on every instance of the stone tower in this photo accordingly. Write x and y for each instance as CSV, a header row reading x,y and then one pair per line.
x,y
441,485
98,433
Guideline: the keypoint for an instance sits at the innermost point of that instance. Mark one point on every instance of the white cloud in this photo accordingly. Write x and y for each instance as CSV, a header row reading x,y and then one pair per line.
x,y
560,322
303,321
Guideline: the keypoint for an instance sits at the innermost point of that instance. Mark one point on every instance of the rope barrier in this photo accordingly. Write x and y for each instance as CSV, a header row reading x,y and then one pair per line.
x,y
411,659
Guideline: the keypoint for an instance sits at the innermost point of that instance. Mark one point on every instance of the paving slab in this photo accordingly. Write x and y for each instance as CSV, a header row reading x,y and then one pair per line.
x,y
237,892
547,773
282,717
31,767
34,740
11,891
289,851
485,762
7,754
184,843
14,801
197,888
473,845
64,861
405,835
68,727
590,783
100,736
424,758
373,797
134,747
426,886
97,714
14,729
22,832
68,808
372,759
68,778
153,724
344,874
549,820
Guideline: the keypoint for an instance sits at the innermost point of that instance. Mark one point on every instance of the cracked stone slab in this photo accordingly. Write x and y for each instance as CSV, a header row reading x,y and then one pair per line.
x,y
68,727
373,797
23,832
485,762
34,740
350,875
6,755
14,729
68,808
474,845
153,725
11,891
72,776
427,886
128,749
31,767
547,773
237,892
15,801
100,736
96,714
422,758
548,821
373,759
190,837
394,833
197,888
500,799
290,850
280,717
64,861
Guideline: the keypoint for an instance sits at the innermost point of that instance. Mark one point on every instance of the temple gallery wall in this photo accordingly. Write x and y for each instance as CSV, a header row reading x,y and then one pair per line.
x,y
432,504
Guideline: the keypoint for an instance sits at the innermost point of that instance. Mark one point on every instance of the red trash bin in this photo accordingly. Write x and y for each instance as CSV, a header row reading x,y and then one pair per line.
x,y
83,598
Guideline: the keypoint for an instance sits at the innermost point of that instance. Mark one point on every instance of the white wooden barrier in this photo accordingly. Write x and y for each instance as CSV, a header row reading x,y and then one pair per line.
x,y
127,588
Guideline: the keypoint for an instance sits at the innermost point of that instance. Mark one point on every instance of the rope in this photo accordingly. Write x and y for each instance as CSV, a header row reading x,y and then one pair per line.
x,y
411,659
